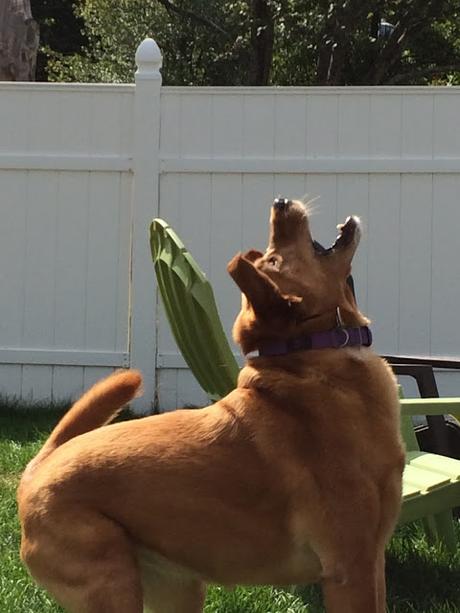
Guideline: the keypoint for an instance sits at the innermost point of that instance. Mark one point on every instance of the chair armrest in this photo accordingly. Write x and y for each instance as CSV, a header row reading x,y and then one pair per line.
x,y
430,406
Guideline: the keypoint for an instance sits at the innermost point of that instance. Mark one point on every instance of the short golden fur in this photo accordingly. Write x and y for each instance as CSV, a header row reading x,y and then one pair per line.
x,y
294,477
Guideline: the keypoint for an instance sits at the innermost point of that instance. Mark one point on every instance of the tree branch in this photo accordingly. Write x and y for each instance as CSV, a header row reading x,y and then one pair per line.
x,y
391,52
424,72
204,21
335,41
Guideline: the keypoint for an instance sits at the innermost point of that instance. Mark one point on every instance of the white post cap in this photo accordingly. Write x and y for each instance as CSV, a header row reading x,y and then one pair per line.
x,y
148,60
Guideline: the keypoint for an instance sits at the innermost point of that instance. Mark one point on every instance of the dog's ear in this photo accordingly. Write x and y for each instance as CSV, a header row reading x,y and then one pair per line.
x,y
252,255
259,289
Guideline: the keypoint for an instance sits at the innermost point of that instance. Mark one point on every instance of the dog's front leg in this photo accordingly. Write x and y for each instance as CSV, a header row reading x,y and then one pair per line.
x,y
357,589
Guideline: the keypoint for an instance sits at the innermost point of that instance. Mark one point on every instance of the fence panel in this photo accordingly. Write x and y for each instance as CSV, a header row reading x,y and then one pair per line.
x,y
65,236
381,153
83,169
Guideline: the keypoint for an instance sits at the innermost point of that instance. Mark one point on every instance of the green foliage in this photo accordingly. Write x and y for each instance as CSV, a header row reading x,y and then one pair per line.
x,y
193,53
60,30
280,42
338,43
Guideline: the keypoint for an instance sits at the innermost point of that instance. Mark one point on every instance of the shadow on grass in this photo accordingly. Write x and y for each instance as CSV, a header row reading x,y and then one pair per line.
x,y
27,422
423,584
422,574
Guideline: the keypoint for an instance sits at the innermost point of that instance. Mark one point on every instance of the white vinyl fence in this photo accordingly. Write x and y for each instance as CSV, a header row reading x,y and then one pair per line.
x,y
84,168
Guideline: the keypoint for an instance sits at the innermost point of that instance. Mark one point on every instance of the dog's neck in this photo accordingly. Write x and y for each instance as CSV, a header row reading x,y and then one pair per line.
x,y
336,329
336,338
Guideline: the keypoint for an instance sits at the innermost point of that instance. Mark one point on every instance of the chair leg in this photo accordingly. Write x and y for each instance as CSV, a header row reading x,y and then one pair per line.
x,y
440,528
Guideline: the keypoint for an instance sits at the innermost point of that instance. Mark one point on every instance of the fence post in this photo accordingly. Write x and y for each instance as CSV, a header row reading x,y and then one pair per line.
x,y
145,208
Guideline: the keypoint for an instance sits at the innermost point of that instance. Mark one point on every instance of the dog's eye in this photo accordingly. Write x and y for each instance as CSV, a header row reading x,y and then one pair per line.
x,y
275,262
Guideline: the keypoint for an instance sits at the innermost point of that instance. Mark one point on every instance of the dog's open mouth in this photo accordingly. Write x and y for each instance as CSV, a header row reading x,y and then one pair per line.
x,y
347,234
293,211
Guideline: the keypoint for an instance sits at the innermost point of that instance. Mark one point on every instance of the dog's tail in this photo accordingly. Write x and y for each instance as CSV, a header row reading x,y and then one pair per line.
x,y
97,407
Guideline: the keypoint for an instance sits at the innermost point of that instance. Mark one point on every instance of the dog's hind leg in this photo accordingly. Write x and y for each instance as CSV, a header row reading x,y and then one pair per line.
x,y
163,596
84,560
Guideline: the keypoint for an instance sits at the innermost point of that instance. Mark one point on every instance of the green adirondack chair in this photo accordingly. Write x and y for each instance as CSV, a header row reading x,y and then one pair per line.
x,y
192,312
431,483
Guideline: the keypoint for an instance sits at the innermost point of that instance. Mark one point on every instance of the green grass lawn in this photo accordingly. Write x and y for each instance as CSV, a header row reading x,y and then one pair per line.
x,y
420,578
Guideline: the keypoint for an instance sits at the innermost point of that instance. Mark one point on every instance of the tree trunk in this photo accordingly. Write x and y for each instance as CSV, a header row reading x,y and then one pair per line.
x,y
262,38
19,36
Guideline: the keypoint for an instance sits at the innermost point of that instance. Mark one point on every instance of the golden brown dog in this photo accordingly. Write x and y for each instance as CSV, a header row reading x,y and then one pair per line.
x,y
294,477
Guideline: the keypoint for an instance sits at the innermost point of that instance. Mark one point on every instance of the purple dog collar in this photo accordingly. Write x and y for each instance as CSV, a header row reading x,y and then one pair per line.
x,y
331,339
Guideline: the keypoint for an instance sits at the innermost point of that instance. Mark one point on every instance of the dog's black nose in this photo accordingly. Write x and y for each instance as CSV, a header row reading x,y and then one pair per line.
x,y
281,204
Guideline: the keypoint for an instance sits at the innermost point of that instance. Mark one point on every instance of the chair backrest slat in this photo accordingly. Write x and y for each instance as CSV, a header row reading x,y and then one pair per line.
x,y
407,429
192,312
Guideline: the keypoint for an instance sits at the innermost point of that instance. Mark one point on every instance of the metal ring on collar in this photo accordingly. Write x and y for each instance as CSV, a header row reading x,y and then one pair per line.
x,y
347,338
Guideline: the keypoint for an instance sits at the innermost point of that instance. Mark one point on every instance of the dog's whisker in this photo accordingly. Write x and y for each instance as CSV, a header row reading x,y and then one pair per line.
x,y
309,205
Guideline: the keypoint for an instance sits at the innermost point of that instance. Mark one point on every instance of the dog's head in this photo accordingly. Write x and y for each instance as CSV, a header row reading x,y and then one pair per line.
x,y
295,287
